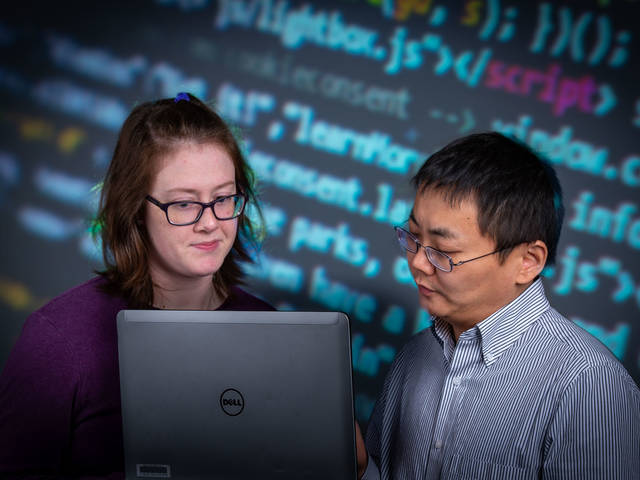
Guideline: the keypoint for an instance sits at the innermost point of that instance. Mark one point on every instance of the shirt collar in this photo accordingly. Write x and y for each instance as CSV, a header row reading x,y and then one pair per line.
x,y
443,332
500,330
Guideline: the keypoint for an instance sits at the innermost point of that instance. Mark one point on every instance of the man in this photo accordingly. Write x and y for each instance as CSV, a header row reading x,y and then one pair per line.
x,y
501,386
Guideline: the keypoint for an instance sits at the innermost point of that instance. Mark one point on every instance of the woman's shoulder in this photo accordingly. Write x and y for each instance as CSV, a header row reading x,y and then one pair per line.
x,y
87,299
73,325
240,299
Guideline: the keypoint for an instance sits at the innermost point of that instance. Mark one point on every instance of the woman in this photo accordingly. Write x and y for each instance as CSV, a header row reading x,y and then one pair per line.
x,y
173,227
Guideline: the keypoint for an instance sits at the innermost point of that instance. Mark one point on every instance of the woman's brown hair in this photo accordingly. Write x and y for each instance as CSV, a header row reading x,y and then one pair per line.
x,y
152,130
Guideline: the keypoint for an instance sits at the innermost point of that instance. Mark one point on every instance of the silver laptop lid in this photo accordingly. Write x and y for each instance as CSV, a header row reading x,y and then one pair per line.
x,y
236,395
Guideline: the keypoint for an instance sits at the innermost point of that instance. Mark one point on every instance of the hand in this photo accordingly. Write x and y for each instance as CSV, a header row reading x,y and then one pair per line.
x,y
361,452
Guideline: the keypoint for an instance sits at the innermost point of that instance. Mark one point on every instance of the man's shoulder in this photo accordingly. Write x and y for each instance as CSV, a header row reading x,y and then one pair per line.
x,y
421,339
423,347
574,346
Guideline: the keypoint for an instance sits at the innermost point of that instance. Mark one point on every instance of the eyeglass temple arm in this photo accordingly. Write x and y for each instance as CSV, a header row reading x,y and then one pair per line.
x,y
471,259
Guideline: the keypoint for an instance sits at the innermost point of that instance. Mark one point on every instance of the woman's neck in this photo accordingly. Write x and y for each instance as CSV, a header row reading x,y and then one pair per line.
x,y
190,295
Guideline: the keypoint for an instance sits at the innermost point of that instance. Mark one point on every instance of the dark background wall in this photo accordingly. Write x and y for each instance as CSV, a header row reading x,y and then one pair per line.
x,y
337,104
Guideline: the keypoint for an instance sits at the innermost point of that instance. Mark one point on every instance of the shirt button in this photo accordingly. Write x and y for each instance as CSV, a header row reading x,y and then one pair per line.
x,y
456,381
438,444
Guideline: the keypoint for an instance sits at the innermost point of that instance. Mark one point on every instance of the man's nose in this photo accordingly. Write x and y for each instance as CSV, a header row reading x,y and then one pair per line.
x,y
421,262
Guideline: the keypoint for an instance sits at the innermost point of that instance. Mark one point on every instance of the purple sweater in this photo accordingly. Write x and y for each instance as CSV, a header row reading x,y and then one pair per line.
x,y
60,388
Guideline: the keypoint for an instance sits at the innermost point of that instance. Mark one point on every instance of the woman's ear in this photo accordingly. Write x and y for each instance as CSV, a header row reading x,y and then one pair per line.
x,y
533,259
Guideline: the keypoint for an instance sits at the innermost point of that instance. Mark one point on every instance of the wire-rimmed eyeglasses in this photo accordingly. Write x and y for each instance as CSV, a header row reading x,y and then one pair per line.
x,y
187,213
438,259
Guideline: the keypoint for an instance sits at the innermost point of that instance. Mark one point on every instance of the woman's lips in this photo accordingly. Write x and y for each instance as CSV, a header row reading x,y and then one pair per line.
x,y
207,245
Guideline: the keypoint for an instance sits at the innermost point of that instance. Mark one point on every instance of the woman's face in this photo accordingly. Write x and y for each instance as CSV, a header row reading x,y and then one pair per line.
x,y
179,254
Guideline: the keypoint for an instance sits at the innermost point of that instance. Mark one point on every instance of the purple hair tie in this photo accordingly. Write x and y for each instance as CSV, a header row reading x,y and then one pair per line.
x,y
181,96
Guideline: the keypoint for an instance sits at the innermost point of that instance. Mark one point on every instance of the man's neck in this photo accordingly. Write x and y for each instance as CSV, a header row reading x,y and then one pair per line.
x,y
461,325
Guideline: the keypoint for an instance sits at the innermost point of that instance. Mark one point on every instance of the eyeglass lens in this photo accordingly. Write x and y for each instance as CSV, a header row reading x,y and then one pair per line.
x,y
438,259
187,212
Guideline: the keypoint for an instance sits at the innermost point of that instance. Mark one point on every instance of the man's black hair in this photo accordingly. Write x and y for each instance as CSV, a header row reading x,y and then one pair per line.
x,y
517,193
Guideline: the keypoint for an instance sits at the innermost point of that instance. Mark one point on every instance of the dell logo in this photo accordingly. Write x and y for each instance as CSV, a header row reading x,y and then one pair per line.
x,y
232,402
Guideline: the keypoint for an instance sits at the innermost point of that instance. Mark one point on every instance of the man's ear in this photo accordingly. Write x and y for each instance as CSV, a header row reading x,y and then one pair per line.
x,y
533,258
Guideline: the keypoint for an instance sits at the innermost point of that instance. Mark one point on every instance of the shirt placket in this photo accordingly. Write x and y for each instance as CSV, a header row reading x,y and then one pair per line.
x,y
465,356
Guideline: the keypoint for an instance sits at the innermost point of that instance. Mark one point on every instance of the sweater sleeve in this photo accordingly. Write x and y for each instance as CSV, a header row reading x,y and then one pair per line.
x,y
37,392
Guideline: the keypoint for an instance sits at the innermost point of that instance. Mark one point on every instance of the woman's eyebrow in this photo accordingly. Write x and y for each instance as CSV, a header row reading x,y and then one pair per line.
x,y
195,191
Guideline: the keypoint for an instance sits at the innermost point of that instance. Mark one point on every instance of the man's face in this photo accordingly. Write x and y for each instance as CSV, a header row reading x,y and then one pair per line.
x,y
472,291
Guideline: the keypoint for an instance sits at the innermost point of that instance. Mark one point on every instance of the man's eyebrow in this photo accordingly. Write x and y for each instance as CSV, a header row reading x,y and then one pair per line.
x,y
443,232
436,231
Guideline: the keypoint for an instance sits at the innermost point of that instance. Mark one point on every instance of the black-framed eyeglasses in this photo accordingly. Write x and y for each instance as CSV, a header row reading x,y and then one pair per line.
x,y
438,259
188,213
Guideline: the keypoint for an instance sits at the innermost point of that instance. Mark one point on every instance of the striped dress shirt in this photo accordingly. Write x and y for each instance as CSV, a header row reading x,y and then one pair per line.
x,y
525,394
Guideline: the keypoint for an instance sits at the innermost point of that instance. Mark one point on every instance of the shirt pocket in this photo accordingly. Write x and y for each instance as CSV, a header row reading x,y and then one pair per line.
x,y
465,468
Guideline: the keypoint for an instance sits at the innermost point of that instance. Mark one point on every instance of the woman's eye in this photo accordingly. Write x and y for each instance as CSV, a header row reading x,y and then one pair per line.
x,y
183,205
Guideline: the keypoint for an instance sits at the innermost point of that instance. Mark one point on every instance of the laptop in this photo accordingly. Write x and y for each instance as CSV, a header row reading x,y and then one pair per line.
x,y
236,395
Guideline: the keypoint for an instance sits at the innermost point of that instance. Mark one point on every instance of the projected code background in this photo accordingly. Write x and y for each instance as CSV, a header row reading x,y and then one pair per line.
x,y
337,104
